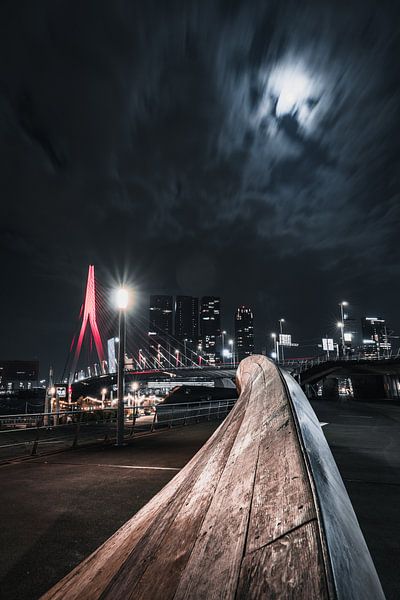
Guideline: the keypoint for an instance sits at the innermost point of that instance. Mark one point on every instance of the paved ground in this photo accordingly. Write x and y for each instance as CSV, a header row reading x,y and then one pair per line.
x,y
59,508
55,510
365,442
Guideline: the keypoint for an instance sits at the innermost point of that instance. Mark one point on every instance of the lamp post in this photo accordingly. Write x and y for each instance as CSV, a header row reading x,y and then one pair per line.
x,y
53,406
122,300
341,325
281,322
223,334
47,399
276,346
200,349
232,345
184,352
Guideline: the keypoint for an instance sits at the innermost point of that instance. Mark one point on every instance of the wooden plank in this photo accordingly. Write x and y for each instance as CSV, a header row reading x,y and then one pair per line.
x,y
240,513
213,568
290,568
153,568
89,579
282,498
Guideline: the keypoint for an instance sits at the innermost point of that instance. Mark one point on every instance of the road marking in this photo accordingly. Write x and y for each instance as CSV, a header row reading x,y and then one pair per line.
x,y
116,466
141,467
356,416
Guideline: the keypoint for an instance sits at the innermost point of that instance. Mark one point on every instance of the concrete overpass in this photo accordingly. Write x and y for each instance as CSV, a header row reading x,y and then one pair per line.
x,y
372,378
215,376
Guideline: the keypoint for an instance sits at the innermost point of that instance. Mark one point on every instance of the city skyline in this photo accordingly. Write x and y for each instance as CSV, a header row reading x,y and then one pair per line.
x,y
242,150
262,337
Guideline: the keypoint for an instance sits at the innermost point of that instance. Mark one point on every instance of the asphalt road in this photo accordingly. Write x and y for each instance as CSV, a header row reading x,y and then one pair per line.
x,y
56,510
365,442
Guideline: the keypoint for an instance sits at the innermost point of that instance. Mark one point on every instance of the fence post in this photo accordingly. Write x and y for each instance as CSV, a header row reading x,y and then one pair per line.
x,y
107,418
153,422
77,428
172,417
36,442
133,425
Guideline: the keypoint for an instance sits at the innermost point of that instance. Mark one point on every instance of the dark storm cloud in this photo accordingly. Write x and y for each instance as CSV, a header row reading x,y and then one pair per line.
x,y
157,133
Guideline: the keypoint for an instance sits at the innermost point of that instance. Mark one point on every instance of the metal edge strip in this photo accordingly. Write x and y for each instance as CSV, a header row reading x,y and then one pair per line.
x,y
353,571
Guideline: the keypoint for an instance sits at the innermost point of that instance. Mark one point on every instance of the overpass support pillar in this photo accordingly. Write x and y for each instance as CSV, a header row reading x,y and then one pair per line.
x,y
330,389
392,386
368,386
310,391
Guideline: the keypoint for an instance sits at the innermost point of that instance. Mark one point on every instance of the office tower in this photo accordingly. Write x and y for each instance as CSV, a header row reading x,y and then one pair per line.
x,y
186,329
160,329
187,319
375,339
244,333
18,375
210,327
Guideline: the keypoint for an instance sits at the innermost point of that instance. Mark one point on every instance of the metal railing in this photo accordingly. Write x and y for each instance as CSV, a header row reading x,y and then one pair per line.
x,y
27,435
300,365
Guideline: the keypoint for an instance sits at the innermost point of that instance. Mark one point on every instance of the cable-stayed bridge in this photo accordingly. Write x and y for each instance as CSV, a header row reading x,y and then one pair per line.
x,y
97,322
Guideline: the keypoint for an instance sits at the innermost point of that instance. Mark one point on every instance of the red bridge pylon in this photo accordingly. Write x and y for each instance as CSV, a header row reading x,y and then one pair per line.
x,y
89,319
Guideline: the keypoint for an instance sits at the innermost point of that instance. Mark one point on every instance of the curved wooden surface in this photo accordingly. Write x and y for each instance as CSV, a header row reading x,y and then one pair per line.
x,y
240,520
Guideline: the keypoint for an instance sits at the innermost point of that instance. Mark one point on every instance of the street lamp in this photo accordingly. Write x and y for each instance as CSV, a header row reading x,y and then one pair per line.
x,y
232,351
276,346
53,404
223,334
200,349
281,322
341,324
177,358
121,302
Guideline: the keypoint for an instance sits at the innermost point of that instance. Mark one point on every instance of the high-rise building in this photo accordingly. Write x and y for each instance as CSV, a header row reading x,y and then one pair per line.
x,y
375,339
244,332
210,327
160,329
187,319
18,375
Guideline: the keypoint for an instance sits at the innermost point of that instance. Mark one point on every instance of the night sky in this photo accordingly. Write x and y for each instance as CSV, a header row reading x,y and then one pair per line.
x,y
243,149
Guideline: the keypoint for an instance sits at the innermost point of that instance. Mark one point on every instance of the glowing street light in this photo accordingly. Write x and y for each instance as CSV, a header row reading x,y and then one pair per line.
x,y
232,345
122,298
200,349
223,334
275,353
341,325
281,322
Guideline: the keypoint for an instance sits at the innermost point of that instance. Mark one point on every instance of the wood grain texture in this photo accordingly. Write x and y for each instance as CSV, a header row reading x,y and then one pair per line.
x,y
290,568
238,521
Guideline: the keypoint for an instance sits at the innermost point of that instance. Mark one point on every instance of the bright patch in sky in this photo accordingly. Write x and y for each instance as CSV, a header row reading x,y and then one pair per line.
x,y
292,88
